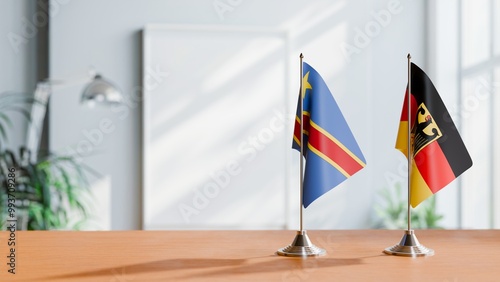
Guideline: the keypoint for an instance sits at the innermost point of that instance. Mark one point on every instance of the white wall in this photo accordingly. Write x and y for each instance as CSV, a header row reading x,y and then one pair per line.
x,y
368,85
468,89
17,57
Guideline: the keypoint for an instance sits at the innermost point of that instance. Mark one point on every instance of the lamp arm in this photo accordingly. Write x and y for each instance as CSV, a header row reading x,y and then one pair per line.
x,y
57,84
99,88
38,110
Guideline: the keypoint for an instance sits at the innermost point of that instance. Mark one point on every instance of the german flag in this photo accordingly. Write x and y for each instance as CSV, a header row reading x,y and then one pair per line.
x,y
331,152
438,152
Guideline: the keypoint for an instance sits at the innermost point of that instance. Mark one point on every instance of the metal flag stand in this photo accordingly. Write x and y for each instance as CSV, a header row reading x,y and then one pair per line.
x,y
409,245
301,245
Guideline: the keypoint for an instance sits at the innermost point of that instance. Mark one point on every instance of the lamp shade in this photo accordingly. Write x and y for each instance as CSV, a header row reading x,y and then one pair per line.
x,y
101,90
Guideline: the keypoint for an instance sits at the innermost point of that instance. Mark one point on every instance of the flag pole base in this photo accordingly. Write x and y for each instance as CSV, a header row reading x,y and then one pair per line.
x,y
409,247
301,247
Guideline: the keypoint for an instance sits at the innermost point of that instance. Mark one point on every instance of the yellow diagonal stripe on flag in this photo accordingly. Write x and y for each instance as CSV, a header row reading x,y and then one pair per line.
x,y
328,160
351,154
305,113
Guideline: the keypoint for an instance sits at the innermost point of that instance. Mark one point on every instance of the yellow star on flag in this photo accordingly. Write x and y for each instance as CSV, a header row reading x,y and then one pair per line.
x,y
305,84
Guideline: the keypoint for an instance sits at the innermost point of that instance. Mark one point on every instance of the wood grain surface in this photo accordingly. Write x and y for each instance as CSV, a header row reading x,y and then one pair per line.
x,y
352,255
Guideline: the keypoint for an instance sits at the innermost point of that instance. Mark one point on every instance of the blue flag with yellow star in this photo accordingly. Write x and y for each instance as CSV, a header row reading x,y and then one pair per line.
x,y
330,150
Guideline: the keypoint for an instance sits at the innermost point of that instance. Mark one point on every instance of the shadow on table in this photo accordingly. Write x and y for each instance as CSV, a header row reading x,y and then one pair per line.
x,y
126,272
290,267
215,267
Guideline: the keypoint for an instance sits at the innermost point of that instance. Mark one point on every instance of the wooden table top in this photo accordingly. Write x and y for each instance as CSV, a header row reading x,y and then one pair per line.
x,y
352,255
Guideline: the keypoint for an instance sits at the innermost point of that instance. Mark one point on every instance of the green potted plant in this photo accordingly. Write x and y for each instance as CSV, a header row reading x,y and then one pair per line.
x,y
49,193
392,211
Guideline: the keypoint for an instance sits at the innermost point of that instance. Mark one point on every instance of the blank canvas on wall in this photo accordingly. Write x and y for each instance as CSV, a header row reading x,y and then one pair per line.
x,y
215,129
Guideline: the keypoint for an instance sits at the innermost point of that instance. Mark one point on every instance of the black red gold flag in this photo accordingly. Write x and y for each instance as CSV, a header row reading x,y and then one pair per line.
x,y
438,153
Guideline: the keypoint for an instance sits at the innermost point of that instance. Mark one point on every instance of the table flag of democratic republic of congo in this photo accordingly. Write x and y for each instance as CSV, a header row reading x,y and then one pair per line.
x,y
439,154
330,150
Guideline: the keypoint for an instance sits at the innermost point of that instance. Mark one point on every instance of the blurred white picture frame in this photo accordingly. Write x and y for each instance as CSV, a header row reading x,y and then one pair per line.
x,y
216,127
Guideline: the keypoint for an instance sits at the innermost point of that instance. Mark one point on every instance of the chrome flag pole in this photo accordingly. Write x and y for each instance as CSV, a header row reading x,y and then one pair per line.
x,y
301,245
409,245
